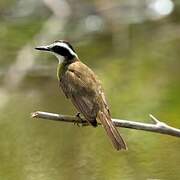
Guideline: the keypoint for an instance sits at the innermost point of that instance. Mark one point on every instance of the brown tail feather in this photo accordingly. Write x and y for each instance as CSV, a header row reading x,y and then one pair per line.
x,y
112,132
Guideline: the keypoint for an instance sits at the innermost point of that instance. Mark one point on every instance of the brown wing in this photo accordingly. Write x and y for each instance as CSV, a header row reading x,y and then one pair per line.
x,y
78,84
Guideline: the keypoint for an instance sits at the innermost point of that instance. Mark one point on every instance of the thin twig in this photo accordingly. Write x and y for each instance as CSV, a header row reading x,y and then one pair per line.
x,y
158,127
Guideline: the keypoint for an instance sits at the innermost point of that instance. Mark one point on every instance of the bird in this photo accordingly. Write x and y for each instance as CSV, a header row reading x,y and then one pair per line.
x,y
81,85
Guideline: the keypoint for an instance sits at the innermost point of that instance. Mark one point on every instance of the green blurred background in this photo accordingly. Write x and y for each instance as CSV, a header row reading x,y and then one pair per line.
x,y
133,46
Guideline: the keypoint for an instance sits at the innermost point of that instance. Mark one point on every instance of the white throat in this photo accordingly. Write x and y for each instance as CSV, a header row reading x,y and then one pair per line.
x,y
60,58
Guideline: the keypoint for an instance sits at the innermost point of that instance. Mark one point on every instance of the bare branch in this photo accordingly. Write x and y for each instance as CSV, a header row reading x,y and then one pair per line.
x,y
158,127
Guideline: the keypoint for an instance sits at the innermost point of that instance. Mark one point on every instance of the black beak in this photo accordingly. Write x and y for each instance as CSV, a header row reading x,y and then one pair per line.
x,y
43,48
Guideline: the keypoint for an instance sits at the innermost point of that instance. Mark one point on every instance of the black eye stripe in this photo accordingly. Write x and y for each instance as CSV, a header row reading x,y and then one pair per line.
x,y
61,50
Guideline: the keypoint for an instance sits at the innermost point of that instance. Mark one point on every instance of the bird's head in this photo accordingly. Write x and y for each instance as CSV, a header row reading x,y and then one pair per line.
x,y
63,50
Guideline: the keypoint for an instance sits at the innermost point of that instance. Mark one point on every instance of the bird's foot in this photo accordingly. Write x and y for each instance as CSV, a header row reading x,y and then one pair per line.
x,y
81,121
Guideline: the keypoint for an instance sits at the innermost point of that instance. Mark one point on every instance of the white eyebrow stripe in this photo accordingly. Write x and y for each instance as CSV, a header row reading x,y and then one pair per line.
x,y
65,46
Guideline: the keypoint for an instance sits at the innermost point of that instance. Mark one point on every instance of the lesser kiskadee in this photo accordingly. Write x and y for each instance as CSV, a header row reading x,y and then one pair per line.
x,y
81,86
